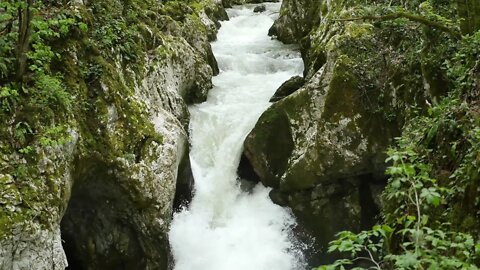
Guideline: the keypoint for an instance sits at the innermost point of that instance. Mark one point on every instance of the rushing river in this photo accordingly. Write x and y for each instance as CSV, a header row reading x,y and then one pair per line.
x,y
226,227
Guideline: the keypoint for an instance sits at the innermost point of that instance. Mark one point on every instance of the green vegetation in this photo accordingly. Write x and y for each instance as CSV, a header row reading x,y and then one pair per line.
x,y
63,67
431,205
36,106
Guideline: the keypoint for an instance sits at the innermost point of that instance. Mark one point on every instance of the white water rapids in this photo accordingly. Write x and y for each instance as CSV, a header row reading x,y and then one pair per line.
x,y
225,227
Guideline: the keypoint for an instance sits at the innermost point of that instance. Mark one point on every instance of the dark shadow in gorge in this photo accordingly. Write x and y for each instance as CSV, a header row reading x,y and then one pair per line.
x,y
103,228
326,209
245,170
335,215
185,184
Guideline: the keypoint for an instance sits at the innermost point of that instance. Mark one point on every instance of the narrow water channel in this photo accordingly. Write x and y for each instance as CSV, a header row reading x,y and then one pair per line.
x,y
227,227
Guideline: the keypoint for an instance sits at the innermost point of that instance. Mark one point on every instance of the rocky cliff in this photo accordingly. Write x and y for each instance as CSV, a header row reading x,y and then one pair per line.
x,y
94,179
322,148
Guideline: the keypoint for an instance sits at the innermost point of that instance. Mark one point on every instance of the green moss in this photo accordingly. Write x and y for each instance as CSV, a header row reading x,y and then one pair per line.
x,y
99,68
178,10
262,148
342,92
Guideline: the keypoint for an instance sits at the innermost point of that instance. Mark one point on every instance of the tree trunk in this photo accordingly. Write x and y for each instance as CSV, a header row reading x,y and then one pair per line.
x,y
469,13
23,42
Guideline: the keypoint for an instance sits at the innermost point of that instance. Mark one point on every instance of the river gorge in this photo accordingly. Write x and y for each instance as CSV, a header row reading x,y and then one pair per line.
x,y
228,226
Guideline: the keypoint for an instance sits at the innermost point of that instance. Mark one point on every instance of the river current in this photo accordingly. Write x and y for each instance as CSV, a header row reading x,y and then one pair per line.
x,y
227,227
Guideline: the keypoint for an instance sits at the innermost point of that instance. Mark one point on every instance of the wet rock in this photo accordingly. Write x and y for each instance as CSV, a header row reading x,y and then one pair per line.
x,y
278,197
313,146
119,212
260,8
287,88
245,170
227,3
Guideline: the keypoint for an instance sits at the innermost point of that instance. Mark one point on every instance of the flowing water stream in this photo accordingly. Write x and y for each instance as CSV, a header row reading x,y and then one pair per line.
x,y
225,226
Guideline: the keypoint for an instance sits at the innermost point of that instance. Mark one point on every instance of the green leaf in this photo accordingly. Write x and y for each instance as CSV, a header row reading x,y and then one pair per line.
x,y
83,27
406,260
477,249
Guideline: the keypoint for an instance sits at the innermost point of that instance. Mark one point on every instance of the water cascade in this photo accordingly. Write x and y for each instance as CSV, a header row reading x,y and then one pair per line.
x,y
227,227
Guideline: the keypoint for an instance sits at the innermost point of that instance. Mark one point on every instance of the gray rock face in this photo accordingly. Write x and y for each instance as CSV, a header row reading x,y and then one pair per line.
x,y
120,208
316,134
39,248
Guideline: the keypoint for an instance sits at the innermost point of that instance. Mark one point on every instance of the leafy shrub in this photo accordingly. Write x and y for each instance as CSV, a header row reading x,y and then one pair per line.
x,y
431,205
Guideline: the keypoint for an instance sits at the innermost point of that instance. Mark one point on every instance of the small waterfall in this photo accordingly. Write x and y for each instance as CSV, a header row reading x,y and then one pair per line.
x,y
226,228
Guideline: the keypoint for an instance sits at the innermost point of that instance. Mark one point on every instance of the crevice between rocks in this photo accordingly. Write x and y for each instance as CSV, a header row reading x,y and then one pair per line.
x,y
184,185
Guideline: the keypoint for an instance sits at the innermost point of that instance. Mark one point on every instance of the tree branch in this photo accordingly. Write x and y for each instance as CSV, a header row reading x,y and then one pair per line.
x,y
23,42
413,17
372,259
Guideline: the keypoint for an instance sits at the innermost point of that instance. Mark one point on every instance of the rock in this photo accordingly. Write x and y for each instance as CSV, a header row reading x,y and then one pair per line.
x,y
322,147
259,9
259,1
120,208
30,236
227,3
299,17
9,194
287,88
121,205
108,193
332,138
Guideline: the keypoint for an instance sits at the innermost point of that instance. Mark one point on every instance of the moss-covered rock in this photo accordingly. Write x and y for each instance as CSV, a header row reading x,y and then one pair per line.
x,y
322,148
109,165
